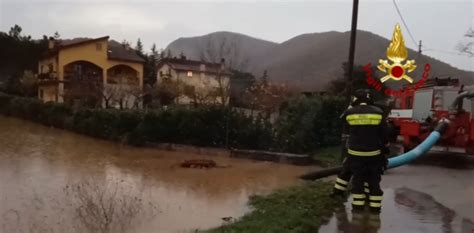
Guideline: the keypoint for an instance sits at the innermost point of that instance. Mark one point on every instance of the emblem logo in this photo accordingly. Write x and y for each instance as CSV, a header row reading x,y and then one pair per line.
x,y
397,53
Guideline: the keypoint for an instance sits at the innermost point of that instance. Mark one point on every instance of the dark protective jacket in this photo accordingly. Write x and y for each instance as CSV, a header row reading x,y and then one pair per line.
x,y
367,129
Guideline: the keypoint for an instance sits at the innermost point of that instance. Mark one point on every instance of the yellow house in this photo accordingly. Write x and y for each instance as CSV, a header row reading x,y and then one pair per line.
x,y
93,72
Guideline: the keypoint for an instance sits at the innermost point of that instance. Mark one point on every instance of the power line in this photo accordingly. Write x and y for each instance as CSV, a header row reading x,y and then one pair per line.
x,y
404,23
447,52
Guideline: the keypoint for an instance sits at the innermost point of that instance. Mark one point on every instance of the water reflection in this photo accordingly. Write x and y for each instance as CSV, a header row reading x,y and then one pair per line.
x,y
426,208
359,222
84,207
404,210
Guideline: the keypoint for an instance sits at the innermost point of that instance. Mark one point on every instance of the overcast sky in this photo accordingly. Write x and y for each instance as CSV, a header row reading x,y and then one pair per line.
x,y
439,24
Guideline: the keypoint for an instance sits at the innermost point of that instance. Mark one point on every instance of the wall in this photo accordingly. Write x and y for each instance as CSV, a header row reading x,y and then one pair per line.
x,y
84,52
49,93
45,62
203,82
165,69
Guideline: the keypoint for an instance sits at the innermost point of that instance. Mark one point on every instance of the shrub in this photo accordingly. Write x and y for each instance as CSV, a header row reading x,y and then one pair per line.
x,y
308,123
305,124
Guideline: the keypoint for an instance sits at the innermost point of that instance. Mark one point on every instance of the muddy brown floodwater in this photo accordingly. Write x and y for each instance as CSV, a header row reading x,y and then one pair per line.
x,y
56,181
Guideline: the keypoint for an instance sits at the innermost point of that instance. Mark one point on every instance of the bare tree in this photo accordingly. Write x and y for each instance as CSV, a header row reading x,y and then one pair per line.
x,y
167,91
201,95
126,91
108,93
215,50
137,94
223,88
83,92
467,47
266,97
121,98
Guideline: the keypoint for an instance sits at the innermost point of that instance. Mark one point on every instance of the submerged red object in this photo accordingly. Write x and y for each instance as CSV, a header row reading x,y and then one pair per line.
x,y
199,163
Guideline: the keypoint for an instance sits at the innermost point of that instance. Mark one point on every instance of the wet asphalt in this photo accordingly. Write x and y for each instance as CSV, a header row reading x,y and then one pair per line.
x,y
433,195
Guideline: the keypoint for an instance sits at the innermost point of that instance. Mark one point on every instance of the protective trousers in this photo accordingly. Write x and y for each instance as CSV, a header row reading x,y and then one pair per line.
x,y
370,169
344,178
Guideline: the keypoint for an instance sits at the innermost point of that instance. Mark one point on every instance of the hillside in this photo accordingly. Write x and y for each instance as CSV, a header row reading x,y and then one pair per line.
x,y
308,61
241,50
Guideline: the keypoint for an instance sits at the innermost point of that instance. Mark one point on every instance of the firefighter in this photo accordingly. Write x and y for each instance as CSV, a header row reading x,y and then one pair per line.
x,y
367,144
344,177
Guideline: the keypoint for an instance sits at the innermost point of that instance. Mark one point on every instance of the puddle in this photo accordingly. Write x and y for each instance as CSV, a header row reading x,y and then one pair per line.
x,y
404,210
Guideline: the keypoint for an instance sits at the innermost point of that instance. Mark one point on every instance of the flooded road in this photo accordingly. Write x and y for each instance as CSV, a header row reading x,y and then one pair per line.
x,y
418,199
55,181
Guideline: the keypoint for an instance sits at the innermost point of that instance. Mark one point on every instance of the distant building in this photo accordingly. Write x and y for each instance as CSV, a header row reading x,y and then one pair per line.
x,y
95,72
200,82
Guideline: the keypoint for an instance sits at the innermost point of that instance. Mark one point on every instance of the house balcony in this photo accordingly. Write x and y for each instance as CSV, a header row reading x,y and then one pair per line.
x,y
48,78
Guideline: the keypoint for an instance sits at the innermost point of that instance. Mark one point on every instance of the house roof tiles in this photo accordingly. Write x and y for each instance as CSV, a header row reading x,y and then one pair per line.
x,y
182,64
116,51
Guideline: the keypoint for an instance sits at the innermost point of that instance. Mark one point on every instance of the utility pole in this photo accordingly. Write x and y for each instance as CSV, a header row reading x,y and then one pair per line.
x,y
355,9
419,47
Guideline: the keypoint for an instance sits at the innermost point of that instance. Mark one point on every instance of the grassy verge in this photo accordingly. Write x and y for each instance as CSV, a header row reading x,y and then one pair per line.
x,y
297,210
328,157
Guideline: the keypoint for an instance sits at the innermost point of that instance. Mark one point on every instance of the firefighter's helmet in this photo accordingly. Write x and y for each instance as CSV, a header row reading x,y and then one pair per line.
x,y
362,96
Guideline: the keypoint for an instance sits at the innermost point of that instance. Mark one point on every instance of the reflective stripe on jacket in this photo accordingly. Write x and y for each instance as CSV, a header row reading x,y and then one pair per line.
x,y
367,129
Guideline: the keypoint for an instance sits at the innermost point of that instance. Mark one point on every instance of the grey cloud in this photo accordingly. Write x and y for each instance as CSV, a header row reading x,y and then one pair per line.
x,y
440,24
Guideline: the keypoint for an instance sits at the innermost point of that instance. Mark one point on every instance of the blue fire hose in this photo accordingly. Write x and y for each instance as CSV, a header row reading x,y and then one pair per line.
x,y
396,161
418,151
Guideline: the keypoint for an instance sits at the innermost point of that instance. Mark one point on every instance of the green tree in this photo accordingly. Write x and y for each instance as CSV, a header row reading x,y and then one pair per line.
x,y
169,54
150,66
139,47
154,51
15,32
56,36
162,54
239,83
264,78
18,53
339,87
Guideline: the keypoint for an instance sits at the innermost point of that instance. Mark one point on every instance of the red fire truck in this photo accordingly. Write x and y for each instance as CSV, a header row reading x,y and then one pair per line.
x,y
415,115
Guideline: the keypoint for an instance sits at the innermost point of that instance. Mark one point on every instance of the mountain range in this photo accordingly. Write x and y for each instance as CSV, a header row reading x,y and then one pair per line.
x,y
308,61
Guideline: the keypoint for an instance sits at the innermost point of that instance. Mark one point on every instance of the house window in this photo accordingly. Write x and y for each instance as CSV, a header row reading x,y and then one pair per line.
x,y
190,74
50,67
98,46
